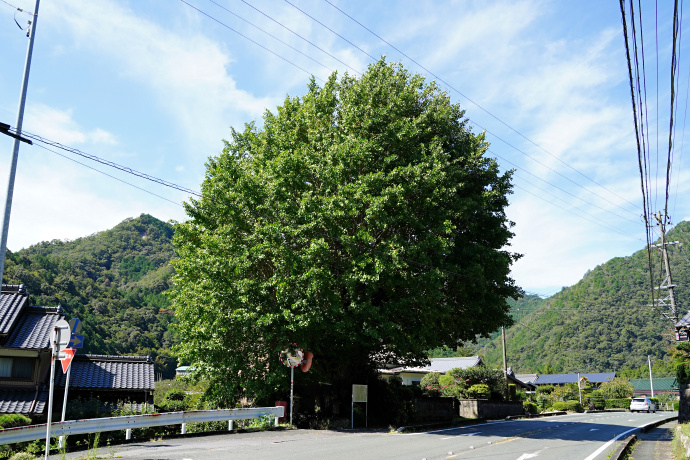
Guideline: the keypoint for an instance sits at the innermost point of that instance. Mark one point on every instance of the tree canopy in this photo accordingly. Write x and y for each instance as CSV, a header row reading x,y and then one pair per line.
x,y
363,222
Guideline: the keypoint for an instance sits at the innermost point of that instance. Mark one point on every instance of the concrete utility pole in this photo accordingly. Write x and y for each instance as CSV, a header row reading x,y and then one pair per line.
x,y
670,300
651,381
15,151
505,361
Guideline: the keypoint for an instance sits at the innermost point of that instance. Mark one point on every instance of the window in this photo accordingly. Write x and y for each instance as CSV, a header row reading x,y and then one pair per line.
x,y
16,368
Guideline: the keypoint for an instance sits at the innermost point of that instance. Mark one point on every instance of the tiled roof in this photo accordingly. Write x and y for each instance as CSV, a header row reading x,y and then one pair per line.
x,y
441,365
20,401
11,305
527,378
109,373
34,328
559,379
660,384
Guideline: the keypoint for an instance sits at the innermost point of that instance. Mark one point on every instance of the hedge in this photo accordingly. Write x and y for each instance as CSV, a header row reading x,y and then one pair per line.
x,y
622,403
572,406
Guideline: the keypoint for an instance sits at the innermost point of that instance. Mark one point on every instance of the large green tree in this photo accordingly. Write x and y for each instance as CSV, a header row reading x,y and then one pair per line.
x,y
363,221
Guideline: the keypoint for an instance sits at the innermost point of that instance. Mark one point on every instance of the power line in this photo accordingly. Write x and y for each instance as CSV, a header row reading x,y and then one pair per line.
x,y
299,36
247,38
270,35
112,164
106,174
559,188
478,105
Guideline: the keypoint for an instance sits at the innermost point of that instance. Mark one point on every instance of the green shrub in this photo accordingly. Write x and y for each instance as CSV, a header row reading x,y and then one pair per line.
x,y
545,389
430,384
544,402
14,420
521,396
597,400
512,391
571,406
619,403
174,400
479,391
530,407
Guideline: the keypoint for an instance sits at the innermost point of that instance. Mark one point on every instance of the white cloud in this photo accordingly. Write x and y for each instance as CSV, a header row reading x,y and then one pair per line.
x,y
59,125
188,72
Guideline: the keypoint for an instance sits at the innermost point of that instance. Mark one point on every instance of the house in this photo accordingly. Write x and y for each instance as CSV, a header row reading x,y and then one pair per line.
x,y
527,379
413,375
25,357
596,379
667,385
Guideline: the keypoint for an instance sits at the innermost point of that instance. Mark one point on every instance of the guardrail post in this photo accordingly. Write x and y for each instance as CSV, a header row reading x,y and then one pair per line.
x,y
230,425
276,422
128,434
184,428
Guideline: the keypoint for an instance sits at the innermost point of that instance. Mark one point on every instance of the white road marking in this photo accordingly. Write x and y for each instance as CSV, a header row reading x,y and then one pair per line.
x,y
532,455
608,444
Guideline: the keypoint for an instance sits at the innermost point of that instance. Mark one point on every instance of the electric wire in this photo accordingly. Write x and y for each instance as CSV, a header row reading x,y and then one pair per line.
x,y
251,40
270,35
17,8
674,68
301,37
475,103
522,170
495,135
329,29
43,140
128,170
641,162
109,175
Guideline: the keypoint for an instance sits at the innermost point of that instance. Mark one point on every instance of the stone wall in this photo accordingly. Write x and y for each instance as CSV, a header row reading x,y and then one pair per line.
x,y
483,408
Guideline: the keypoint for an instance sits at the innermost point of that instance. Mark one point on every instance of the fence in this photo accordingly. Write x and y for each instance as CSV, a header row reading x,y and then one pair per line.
x,y
94,425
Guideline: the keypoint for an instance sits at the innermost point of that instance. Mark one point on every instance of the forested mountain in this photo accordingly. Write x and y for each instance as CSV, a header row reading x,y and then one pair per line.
x,y
602,323
113,281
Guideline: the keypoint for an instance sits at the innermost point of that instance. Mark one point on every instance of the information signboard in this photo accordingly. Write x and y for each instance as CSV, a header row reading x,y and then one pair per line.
x,y
360,394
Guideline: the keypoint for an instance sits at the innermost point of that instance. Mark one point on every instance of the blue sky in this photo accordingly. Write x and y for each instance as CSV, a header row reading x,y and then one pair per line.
x,y
156,86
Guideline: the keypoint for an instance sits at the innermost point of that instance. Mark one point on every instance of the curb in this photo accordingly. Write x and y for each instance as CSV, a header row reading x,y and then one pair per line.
x,y
624,449
477,421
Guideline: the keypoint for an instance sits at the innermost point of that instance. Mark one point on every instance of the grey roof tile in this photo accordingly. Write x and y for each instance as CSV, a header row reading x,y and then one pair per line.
x,y
21,401
110,372
558,379
34,328
11,305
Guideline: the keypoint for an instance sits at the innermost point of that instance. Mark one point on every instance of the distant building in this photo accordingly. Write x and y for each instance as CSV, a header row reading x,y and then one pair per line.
x,y
662,385
596,379
413,375
25,357
183,370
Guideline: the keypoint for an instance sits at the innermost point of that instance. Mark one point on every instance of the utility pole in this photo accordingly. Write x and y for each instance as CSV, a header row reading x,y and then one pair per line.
x,y
651,381
505,361
15,151
670,300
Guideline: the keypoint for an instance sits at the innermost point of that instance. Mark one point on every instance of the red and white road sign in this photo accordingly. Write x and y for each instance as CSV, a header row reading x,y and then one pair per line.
x,y
66,358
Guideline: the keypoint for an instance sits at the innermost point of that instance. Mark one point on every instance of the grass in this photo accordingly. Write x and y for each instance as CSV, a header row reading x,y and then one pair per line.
x,y
677,447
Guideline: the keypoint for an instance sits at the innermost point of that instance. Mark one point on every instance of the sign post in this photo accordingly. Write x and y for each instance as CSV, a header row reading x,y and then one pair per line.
x,y
76,341
59,339
360,394
292,357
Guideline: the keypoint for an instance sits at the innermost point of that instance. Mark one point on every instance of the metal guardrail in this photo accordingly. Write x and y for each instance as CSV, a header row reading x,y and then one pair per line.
x,y
94,425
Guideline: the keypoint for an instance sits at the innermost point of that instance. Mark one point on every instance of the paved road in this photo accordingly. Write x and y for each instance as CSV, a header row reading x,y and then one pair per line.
x,y
576,436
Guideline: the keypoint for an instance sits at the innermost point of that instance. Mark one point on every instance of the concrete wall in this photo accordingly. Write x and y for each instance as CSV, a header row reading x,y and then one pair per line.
x,y
483,408
435,409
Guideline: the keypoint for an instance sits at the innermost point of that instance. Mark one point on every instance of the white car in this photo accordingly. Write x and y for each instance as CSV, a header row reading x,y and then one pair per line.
x,y
642,404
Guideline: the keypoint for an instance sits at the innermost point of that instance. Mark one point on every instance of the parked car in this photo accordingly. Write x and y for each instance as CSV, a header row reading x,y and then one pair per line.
x,y
642,404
